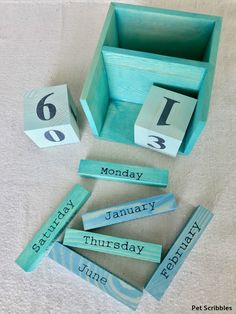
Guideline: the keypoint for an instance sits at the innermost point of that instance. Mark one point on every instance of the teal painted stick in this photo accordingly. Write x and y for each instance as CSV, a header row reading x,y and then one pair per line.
x,y
176,256
96,275
121,172
142,208
113,245
35,250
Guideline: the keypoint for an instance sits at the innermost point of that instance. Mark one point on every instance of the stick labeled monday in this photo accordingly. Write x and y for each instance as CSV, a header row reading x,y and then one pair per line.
x,y
48,233
122,172
113,245
142,208
176,256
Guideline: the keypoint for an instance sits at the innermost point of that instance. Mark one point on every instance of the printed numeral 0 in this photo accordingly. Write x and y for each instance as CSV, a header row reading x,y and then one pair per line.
x,y
54,136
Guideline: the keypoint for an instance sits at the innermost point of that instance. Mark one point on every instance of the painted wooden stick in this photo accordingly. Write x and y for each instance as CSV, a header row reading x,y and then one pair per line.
x,y
125,173
35,250
142,208
113,245
176,256
96,275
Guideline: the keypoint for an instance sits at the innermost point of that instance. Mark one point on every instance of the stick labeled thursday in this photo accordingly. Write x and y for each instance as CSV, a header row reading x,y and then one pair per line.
x,y
113,245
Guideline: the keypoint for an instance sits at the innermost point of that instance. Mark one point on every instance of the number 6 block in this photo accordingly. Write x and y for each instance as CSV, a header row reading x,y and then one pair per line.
x,y
50,116
163,120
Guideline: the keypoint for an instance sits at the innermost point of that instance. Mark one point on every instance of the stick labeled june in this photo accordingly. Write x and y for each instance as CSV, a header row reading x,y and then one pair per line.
x,y
96,275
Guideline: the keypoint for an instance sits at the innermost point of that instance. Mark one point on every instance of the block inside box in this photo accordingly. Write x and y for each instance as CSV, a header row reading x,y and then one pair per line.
x,y
142,46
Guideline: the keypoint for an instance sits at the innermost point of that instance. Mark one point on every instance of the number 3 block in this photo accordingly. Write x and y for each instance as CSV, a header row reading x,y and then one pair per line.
x,y
163,120
50,116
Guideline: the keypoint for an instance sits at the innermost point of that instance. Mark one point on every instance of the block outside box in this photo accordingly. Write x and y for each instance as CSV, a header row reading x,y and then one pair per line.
x,y
50,116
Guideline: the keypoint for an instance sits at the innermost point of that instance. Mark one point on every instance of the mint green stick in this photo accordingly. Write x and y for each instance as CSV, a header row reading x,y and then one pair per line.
x,y
35,250
113,245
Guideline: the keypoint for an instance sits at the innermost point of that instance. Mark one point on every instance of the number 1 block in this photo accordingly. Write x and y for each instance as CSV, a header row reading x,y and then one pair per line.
x,y
50,116
163,120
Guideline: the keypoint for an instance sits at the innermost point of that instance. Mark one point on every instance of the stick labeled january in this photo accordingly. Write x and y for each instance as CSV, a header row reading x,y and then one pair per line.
x,y
113,245
146,207
172,262
48,233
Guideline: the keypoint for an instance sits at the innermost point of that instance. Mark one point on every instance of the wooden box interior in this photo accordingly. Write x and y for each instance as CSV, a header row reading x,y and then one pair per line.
x,y
139,47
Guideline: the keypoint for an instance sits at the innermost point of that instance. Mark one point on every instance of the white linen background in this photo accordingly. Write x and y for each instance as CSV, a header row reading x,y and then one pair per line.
x,y
52,42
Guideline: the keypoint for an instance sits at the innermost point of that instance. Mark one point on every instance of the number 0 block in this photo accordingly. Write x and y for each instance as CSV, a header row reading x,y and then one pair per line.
x,y
163,120
50,116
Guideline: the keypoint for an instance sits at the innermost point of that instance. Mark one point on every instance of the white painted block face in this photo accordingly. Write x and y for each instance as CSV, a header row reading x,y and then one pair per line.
x,y
54,136
163,120
50,116
153,140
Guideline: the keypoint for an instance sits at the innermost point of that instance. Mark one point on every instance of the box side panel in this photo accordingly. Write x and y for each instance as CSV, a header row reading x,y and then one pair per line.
x,y
167,34
95,94
201,113
132,73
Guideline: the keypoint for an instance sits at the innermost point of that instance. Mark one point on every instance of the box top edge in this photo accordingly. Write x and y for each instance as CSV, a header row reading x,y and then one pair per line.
x,y
127,6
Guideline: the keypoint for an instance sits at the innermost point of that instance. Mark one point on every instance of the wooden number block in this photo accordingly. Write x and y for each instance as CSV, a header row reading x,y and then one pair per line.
x,y
50,116
113,245
96,275
146,207
121,172
163,120
172,262
48,233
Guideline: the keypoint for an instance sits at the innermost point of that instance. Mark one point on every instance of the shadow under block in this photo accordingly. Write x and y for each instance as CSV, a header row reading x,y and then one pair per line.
x,y
35,250
96,275
113,245
155,205
122,172
163,120
50,116
141,46
177,254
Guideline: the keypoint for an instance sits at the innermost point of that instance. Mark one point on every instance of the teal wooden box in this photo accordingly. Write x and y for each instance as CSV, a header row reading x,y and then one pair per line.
x,y
141,46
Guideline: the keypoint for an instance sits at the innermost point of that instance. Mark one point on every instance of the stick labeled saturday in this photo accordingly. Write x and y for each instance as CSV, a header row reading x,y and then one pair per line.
x,y
113,245
48,233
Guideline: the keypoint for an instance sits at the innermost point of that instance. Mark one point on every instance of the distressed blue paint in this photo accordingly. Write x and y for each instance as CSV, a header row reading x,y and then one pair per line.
x,y
155,205
164,274
107,282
